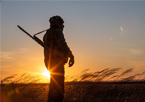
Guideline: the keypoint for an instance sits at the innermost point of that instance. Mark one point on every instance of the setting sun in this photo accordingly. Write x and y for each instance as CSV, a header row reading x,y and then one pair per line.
x,y
46,73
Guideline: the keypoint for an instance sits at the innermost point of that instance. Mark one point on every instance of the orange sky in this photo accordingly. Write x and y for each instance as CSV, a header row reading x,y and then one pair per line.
x,y
100,34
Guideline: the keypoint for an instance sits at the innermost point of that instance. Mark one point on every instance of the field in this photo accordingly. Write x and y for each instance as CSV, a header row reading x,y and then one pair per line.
x,y
77,92
100,86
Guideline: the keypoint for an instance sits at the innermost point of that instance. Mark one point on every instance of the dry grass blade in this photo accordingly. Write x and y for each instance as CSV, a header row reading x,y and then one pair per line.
x,y
125,72
106,74
86,76
141,75
104,70
84,70
114,77
19,79
130,78
9,78
97,76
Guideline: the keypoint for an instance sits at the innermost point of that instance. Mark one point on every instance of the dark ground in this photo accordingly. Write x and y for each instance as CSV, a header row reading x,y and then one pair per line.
x,y
76,92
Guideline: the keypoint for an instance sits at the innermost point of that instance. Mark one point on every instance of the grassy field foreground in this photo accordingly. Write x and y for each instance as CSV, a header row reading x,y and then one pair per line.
x,y
85,87
76,92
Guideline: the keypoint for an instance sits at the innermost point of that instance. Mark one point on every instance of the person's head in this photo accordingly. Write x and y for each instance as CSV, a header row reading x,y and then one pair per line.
x,y
56,21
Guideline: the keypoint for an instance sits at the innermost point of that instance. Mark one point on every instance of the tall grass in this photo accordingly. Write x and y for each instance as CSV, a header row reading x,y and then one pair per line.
x,y
87,87
25,78
23,88
106,74
19,88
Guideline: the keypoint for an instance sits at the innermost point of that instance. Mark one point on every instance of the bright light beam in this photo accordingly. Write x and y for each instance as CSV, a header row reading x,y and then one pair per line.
x,y
46,73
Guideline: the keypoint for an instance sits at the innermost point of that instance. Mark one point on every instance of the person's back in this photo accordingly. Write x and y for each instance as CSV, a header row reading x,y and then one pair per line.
x,y
56,57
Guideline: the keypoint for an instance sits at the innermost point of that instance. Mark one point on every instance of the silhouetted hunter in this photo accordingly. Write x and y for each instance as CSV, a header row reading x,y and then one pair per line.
x,y
56,57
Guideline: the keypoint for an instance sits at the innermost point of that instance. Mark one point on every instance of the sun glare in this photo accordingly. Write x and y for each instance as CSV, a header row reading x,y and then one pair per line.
x,y
121,28
46,73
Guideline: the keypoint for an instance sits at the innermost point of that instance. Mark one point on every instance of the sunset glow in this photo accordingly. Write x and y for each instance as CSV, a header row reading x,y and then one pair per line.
x,y
46,73
99,34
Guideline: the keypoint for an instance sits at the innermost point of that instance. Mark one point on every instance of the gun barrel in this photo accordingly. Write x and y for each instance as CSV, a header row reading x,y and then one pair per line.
x,y
34,38
25,31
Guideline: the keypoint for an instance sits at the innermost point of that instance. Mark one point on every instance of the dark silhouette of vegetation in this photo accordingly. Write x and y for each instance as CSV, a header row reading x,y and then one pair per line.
x,y
95,87
100,76
23,79
85,87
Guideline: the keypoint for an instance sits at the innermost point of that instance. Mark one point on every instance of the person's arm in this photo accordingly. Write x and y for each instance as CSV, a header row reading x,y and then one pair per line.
x,y
62,45
71,56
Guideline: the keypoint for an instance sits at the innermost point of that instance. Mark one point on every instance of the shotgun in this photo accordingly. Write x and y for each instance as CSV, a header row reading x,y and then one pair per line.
x,y
34,37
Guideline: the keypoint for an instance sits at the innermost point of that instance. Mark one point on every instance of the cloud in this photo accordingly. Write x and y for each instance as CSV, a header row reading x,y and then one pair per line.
x,y
6,55
136,51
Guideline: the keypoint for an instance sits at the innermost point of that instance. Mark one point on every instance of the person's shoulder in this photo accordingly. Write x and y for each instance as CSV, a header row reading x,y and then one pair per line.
x,y
47,31
58,31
